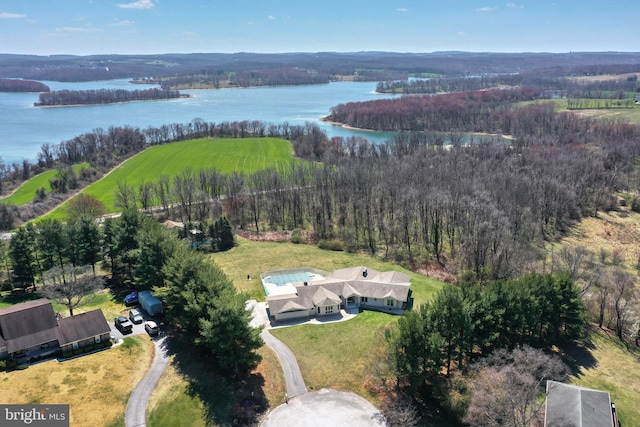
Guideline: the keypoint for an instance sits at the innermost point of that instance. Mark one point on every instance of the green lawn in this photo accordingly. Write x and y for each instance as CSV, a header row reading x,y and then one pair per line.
x,y
253,258
335,355
26,192
227,155
607,365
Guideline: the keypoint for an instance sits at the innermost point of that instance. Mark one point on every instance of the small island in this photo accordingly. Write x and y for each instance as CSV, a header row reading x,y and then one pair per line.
x,y
20,85
103,96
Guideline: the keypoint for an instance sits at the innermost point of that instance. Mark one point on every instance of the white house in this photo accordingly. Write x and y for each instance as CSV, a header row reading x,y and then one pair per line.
x,y
298,295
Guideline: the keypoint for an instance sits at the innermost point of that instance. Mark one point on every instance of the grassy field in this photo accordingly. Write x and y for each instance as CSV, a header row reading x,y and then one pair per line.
x,y
96,386
26,192
245,155
625,115
253,258
608,365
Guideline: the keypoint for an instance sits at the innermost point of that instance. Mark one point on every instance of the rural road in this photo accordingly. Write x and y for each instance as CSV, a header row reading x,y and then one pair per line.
x,y
135,415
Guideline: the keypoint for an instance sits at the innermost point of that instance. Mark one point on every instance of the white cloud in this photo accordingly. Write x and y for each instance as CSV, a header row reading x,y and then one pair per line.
x,y
486,9
271,18
7,15
403,9
461,33
140,4
77,30
514,6
125,23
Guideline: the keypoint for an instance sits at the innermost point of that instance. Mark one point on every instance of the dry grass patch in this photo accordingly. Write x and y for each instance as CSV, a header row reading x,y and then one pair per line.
x,y
613,232
616,370
96,386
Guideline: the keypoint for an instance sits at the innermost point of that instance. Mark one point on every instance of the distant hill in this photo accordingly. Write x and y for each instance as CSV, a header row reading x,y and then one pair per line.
x,y
104,67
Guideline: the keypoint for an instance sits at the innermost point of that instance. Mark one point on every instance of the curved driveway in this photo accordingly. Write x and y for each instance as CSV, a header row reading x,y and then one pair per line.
x,y
135,416
326,407
292,374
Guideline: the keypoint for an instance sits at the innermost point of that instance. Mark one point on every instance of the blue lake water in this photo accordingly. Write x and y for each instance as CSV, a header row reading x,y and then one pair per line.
x,y
25,128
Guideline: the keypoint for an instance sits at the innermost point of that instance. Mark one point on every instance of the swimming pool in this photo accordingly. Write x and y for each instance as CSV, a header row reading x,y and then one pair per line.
x,y
283,282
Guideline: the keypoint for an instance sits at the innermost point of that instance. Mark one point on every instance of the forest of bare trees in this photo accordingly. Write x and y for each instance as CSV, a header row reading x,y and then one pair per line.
x,y
102,96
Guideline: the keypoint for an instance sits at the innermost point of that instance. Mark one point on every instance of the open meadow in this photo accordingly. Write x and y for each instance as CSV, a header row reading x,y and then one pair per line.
x,y
26,192
243,155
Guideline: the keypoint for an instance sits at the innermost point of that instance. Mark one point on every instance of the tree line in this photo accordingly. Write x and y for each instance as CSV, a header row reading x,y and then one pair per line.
x,y
19,85
103,96
59,260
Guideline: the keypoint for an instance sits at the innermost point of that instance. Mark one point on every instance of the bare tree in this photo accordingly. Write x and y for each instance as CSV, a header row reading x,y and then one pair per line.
x,y
70,286
623,299
506,387
399,412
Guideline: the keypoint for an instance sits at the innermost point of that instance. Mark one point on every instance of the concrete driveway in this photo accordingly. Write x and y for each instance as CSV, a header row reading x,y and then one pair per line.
x,y
326,407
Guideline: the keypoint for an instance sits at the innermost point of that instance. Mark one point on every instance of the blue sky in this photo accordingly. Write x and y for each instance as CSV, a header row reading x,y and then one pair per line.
x,y
84,27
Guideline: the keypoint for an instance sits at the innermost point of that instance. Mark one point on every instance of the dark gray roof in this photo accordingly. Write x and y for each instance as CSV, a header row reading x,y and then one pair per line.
x,y
345,282
28,324
573,406
82,326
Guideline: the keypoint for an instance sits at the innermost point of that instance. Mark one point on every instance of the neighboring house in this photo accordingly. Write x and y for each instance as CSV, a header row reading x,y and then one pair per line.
x,y
573,406
31,330
317,295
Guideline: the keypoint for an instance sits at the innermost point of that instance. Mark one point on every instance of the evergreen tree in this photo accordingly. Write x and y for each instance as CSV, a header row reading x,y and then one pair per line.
x,y
22,258
157,245
203,302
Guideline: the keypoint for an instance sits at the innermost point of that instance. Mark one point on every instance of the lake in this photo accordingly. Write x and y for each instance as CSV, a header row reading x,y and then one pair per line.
x,y
25,128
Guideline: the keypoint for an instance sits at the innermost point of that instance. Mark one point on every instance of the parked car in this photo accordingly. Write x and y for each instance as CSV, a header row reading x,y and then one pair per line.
x,y
135,316
123,324
152,328
131,299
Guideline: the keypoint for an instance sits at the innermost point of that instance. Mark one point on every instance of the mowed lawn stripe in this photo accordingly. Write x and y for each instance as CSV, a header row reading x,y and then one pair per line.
x,y
223,154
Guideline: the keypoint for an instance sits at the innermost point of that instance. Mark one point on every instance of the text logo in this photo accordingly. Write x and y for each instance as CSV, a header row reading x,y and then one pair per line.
x,y
34,415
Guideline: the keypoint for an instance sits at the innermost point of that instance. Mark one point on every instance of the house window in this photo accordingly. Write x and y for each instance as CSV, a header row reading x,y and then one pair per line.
x,y
390,303
75,345
97,339
328,310
365,299
318,310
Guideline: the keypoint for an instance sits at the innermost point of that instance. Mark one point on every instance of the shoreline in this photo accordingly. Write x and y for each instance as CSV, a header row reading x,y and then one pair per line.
x,y
342,125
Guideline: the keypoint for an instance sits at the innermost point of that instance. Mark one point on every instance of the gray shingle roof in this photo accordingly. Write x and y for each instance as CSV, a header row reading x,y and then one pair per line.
x,y
82,326
28,324
573,406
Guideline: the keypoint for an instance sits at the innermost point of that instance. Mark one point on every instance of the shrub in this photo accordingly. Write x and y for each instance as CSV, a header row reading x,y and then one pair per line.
x,y
77,351
67,354
331,245
297,237
6,286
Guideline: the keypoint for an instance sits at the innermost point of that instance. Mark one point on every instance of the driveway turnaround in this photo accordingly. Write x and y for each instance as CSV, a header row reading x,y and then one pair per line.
x,y
137,406
326,407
